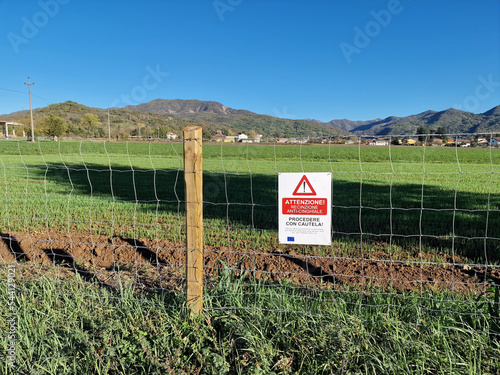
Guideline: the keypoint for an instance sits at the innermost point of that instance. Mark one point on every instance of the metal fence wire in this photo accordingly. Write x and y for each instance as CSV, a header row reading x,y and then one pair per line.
x,y
412,225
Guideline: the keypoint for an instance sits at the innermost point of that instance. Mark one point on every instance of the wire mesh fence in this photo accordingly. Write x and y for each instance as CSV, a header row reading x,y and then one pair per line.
x,y
414,227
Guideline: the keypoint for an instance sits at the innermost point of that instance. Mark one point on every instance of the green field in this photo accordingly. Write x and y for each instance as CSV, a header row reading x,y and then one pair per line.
x,y
441,199
400,200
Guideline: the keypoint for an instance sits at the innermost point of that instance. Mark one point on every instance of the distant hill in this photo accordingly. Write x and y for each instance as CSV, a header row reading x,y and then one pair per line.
x,y
495,111
185,107
161,116
216,116
453,120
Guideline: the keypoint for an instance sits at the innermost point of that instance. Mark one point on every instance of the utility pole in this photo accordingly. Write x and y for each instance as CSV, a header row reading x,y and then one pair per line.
x,y
109,129
31,111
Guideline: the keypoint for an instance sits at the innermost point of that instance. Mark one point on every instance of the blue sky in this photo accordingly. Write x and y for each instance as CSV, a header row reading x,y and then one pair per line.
x,y
355,59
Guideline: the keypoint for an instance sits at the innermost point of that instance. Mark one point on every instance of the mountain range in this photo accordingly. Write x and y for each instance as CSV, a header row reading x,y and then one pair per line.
x,y
174,114
161,116
453,120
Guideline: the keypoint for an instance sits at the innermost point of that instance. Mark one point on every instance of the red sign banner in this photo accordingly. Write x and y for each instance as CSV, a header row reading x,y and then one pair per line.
x,y
304,206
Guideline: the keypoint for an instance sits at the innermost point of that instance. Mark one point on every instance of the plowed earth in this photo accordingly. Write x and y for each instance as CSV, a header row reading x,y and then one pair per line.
x,y
160,264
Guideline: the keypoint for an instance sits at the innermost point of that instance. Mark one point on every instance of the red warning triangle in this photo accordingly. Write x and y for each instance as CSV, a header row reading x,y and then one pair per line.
x,y
304,187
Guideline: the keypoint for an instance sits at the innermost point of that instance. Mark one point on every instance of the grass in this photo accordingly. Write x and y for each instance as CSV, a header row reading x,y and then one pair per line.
x,y
68,327
442,199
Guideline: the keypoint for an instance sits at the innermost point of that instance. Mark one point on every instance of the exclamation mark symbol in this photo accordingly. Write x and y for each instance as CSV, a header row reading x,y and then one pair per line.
x,y
304,186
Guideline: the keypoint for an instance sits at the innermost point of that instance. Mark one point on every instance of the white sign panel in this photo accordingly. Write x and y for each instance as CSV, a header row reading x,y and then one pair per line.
x,y
305,210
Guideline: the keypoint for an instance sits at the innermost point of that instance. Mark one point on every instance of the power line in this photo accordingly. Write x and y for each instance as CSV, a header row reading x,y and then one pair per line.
x,y
20,92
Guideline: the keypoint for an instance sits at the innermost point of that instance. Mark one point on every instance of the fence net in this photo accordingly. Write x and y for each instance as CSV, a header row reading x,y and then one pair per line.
x,y
413,227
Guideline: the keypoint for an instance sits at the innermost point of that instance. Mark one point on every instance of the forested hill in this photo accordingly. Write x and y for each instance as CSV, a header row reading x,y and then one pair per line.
x,y
217,116
158,117
186,107
161,116
453,120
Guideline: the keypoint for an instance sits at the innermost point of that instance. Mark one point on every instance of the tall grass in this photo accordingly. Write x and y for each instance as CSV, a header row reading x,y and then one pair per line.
x,y
70,327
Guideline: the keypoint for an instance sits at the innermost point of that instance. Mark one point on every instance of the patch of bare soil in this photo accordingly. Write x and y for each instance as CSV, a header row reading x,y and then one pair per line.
x,y
160,264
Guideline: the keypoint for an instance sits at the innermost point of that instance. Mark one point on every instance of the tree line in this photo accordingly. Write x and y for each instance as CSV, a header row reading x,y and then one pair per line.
x,y
91,126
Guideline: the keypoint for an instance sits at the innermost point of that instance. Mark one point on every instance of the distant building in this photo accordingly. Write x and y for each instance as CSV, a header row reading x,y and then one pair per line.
x,y
171,136
377,142
382,142
437,142
410,142
481,141
4,127
257,139
494,142
219,137
242,137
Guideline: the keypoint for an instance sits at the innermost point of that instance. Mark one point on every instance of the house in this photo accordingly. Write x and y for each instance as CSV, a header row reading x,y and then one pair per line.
x,y
281,140
242,137
382,142
219,137
437,142
494,142
257,139
171,136
4,128
481,141
230,138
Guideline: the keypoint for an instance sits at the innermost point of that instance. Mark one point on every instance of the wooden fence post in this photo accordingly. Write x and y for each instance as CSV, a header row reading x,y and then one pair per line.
x,y
193,177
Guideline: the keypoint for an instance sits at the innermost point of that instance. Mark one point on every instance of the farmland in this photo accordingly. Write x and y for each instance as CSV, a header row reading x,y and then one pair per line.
x,y
416,232
440,197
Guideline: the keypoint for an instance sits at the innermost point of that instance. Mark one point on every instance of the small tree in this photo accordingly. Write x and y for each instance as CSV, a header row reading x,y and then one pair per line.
x,y
54,126
91,123
422,130
207,133
441,131
140,126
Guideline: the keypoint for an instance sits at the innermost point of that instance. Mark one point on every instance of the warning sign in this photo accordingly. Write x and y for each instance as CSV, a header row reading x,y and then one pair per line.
x,y
302,186
305,208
